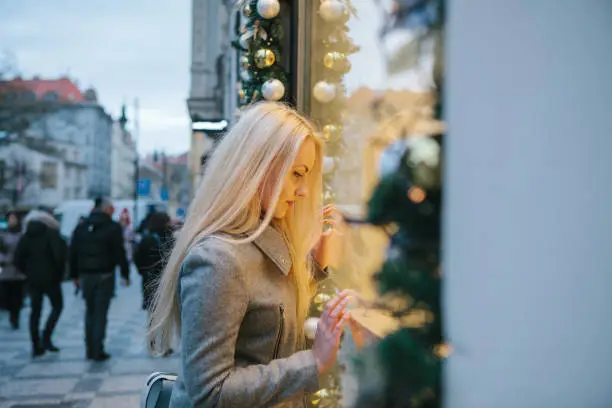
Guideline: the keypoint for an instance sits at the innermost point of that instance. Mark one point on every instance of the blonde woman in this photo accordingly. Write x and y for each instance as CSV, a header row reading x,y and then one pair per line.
x,y
238,283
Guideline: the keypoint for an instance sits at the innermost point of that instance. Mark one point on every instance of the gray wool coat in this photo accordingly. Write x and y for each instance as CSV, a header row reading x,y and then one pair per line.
x,y
239,335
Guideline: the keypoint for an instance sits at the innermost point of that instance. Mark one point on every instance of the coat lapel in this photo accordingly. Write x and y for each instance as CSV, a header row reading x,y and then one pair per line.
x,y
272,243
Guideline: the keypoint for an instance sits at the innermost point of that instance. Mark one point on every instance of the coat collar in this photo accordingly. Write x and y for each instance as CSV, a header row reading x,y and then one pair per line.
x,y
272,243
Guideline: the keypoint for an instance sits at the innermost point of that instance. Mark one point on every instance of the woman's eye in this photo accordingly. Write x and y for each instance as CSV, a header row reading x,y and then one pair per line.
x,y
298,174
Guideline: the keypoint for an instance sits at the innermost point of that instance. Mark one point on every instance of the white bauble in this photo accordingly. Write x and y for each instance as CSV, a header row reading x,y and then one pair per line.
x,y
324,92
424,149
268,8
245,75
245,40
310,327
328,164
273,90
331,10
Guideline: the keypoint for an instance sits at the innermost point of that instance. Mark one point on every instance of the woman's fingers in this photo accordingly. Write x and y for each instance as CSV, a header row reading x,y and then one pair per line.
x,y
337,331
336,305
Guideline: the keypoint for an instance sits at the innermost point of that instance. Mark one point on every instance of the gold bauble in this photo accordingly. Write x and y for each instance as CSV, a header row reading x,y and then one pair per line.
x,y
337,61
331,132
320,396
331,58
264,58
244,62
242,94
321,300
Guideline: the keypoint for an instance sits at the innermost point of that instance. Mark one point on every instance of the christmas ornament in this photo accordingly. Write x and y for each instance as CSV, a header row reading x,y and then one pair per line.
x,y
245,40
328,164
331,132
273,90
264,58
268,8
336,61
331,10
324,92
321,300
423,150
245,76
247,11
242,94
321,396
310,327
244,62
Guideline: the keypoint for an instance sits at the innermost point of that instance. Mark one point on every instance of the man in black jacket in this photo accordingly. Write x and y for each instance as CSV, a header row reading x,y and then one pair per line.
x,y
96,250
41,256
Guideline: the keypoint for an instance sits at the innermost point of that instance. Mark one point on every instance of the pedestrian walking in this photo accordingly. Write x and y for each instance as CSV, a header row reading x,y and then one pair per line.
x,y
128,233
11,278
97,248
41,256
151,253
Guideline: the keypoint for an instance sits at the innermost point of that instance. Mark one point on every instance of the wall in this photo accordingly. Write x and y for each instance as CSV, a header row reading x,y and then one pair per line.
x,y
527,248
88,127
33,194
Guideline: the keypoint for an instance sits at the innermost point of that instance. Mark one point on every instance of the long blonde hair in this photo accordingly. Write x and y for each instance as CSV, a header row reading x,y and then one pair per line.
x,y
258,151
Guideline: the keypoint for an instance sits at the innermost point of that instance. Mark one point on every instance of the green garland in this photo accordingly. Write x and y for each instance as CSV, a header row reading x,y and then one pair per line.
x,y
260,35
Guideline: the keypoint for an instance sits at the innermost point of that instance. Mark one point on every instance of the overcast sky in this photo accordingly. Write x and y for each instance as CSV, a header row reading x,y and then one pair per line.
x,y
125,49
139,49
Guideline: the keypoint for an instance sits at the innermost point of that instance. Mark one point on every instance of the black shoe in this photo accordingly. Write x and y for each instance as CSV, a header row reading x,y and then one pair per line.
x,y
50,347
101,357
14,322
37,352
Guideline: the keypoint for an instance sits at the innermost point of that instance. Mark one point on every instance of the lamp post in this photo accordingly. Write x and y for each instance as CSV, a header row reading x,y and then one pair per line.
x,y
136,161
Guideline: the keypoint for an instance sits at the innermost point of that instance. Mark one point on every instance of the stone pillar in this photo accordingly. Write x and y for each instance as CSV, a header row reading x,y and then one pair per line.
x,y
528,254
209,37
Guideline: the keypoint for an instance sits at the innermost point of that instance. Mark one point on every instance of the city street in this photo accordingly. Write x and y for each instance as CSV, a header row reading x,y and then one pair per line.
x,y
66,379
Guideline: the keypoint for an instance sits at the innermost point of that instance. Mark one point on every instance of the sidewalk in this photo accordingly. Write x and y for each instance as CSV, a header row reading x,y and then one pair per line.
x,y
66,379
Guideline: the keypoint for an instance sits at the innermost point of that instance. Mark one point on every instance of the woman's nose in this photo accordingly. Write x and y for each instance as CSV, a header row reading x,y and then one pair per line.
x,y
302,191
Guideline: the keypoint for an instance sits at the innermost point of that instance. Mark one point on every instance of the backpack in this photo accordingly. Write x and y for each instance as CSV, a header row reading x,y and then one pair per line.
x,y
158,390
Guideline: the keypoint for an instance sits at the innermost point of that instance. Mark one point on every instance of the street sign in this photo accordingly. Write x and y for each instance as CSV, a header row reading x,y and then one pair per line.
x,y
144,187
164,194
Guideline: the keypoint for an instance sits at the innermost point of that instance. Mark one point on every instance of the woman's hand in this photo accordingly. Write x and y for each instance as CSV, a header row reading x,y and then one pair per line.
x,y
330,327
329,244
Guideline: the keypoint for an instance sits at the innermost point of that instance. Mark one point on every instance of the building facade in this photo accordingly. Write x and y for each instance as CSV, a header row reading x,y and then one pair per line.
x,y
34,174
76,124
212,96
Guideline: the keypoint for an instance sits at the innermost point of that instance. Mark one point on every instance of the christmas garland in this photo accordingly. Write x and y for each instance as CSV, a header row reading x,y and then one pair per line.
x,y
262,75
331,48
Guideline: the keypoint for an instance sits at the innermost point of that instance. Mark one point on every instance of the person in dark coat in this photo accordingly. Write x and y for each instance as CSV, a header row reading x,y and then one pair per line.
x,y
11,278
96,250
41,256
151,253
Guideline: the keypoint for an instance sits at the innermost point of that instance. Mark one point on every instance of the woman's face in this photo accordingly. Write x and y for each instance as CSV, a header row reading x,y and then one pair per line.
x,y
12,220
295,184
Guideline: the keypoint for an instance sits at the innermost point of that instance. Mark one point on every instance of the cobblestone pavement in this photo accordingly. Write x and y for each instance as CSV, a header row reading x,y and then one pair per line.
x,y
66,379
